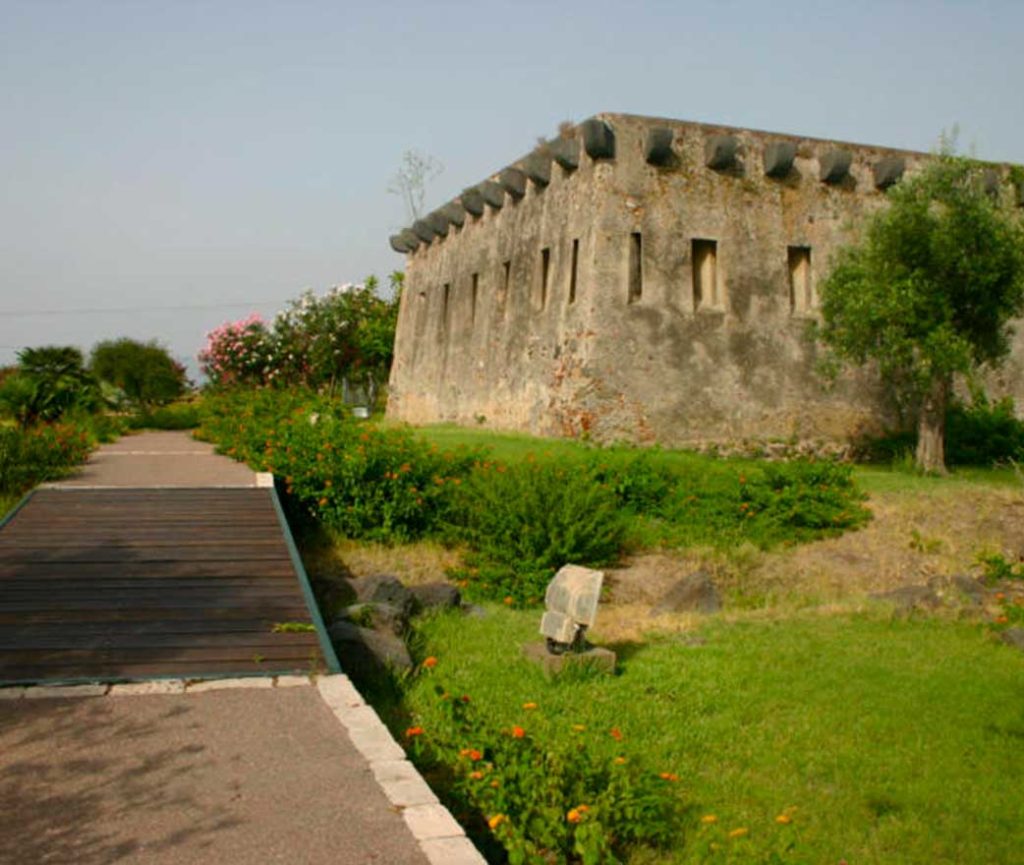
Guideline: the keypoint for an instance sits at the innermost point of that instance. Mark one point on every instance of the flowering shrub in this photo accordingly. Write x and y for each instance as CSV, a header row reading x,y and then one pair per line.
x,y
366,482
543,798
239,352
41,453
316,342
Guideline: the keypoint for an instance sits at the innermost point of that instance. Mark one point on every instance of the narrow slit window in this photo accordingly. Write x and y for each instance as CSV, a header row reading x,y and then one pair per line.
x,y
545,269
472,298
704,254
445,295
636,267
801,291
506,279
572,270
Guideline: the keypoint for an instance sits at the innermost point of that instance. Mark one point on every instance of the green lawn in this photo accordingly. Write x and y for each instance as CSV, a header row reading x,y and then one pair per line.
x,y
886,741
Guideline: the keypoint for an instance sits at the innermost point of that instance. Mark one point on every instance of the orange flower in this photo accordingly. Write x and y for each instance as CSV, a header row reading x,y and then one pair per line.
x,y
784,819
518,732
323,502
509,600
476,775
620,761
615,733
495,783
1000,596
529,706
739,833
496,821
669,776
413,732
1001,620
574,815
430,662
709,818
472,753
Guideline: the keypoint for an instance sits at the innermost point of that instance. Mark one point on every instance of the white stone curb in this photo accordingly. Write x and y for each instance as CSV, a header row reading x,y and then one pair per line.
x,y
442,840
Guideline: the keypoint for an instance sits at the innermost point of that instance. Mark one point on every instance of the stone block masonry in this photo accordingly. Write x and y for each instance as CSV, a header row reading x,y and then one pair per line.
x,y
647,280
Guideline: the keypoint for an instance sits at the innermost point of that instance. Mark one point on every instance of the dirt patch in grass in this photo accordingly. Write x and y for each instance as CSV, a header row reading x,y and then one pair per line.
x,y
916,535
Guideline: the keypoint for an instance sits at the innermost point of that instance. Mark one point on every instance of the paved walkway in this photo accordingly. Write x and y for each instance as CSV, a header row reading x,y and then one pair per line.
x,y
232,771
160,459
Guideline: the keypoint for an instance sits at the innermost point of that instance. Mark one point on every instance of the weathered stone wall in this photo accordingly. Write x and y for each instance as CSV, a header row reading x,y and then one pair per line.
x,y
484,337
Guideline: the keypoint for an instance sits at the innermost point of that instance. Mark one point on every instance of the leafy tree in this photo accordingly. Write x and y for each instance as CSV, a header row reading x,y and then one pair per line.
x,y
50,381
929,291
144,371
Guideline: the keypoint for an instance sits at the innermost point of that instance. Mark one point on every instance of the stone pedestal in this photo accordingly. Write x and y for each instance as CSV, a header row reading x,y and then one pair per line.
x,y
595,656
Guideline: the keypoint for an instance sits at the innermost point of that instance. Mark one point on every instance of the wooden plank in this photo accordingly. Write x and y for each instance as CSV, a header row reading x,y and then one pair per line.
x,y
92,570
173,627
222,553
250,639
273,613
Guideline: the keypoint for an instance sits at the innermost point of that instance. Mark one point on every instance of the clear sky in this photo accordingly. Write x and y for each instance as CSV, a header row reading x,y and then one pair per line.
x,y
180,163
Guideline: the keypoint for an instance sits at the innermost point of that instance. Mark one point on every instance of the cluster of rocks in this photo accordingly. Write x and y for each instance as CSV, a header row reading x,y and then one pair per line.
x,y
371,631
776,451
959,591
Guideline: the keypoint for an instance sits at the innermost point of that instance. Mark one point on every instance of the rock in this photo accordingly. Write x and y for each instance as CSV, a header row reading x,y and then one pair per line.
x,y
379,617
1013,637
971,589
695,593
431,595
908,598
366,647
385,589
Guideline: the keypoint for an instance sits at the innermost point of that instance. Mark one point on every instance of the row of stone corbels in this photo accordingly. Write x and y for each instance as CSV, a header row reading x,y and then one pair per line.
x,y
721,153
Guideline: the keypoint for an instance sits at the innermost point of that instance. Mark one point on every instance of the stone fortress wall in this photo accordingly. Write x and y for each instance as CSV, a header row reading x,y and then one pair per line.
x,y
645,280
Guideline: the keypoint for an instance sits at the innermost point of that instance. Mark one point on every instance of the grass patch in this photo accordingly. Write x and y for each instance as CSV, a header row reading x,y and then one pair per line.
x,y
881,741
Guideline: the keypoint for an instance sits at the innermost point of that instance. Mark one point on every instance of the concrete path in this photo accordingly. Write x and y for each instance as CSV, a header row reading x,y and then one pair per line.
x,y
243,771
160,459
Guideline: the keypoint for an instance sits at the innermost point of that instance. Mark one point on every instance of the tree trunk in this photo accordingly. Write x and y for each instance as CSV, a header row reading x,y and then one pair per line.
x,y
931,428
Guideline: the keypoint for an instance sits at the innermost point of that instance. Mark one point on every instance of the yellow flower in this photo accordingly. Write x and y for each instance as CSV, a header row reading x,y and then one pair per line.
x,y
496,821
578,728
739,833
709,818
620,761
783,819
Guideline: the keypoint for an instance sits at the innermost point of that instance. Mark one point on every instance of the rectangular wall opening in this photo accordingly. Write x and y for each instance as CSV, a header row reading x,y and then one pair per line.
x,y
704,255
636,267
445,297
472,298
545,270
801,291
506,278
572,270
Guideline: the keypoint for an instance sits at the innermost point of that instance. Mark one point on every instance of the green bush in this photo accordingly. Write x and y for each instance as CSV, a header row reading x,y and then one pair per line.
x,y
41,453
363,481
176,416
541,799
524,521
980,434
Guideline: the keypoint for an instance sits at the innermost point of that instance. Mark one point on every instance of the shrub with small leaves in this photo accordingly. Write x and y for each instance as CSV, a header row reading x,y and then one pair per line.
x,y
522,522
542,799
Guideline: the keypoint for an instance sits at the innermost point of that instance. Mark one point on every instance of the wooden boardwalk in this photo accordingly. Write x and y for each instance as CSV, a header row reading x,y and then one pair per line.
x,y
121,584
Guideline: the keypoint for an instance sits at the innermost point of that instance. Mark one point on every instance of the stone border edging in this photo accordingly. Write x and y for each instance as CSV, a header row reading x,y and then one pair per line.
x,y
441,838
